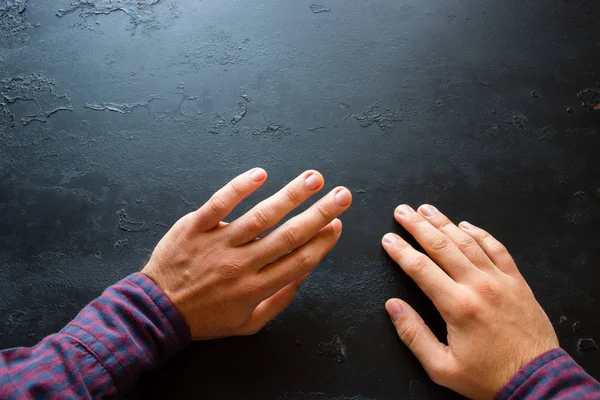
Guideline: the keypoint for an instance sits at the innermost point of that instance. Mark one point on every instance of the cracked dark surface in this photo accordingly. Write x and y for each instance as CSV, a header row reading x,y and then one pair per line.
x,y
13,22
451,102
385,120
139,12
36,89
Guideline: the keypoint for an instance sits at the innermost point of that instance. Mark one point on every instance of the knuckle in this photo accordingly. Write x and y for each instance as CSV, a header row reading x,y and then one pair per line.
x,y
419,263
444,223
292,236
217,205
183,225
323,213
292,196
438,243
230,270
408,334
260,219
466,308
237,189
497,247
247,290
467,244
488,292
306,259
484,236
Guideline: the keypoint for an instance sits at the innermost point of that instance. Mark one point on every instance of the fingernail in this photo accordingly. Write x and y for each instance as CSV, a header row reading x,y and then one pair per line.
x,y
404,210
258,174
394,308
343,197
390,238
466,225
337,225
428,211
312,182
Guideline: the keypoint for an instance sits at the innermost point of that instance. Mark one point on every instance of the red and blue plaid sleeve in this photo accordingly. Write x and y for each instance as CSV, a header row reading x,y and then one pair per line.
x,y
552,375
131,328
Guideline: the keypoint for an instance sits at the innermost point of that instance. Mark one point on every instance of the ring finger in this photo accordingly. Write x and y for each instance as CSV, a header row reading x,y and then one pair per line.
x,y
463,241
303,227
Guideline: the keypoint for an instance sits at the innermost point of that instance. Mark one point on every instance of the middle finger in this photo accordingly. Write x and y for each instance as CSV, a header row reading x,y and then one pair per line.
x,y
303,227
463,241
269,212
440,248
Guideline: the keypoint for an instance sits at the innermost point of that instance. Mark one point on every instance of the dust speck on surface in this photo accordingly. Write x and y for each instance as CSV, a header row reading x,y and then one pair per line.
x,y
518,120
15,318
417,390
239,114
576,326
319,8
586,345
128,225
217,124
121,244
370,116
335,348
590,98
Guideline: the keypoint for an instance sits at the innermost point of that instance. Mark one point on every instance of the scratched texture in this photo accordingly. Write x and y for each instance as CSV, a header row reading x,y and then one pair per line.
x,y
117,117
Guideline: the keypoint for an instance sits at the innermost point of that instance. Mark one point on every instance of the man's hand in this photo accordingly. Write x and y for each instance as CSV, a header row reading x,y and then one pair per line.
x,y
495,325
222,279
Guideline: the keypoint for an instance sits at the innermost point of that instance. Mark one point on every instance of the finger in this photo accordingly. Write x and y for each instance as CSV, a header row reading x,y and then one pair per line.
x,y
416,335
492,247
432,280
269,212
273,306
301,261
463,241
225,199
300,229
440,248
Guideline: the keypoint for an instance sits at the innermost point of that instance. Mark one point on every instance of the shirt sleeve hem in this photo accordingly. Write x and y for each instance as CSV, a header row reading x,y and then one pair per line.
x,y
521,377
168,310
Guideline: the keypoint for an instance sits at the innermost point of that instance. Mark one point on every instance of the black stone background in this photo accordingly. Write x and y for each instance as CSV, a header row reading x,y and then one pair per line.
x,y
116,118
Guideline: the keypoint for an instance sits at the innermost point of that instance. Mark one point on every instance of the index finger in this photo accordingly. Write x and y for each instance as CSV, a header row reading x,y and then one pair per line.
x,y
225,199
432,280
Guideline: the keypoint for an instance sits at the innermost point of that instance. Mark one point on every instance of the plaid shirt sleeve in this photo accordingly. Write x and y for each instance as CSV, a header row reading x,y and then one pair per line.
x,y
552,375
131,328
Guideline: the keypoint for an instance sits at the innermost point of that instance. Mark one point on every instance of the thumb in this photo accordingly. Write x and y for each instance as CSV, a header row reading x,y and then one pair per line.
x,y
274,305
416,335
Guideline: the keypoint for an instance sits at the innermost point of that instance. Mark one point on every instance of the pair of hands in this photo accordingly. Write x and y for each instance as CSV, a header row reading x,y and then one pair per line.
x,y
226,282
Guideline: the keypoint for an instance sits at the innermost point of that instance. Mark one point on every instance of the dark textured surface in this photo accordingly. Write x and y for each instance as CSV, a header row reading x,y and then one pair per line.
x,y
117,117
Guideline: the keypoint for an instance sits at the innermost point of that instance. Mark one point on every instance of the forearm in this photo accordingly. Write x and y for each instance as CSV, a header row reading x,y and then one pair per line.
x,y
131,328
552,375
